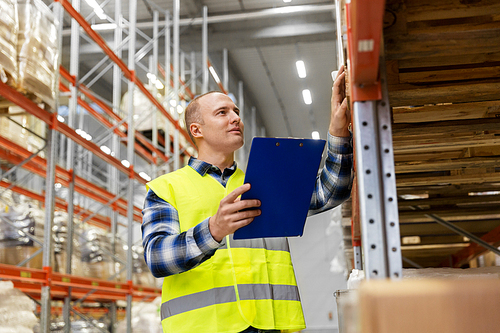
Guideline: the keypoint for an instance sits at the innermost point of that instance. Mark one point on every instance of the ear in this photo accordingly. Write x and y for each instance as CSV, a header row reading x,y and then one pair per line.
x,y
195,130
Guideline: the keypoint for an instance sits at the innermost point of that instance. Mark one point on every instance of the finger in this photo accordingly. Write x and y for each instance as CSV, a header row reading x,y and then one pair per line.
x,y
246,214
246,204
231,197
338,89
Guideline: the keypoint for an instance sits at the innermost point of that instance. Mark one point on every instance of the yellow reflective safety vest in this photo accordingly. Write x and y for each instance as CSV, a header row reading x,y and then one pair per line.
x,y
245,283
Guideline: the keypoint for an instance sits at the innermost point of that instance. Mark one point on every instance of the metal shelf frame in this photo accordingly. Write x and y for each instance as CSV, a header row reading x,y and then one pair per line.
x,y
375,190
45,284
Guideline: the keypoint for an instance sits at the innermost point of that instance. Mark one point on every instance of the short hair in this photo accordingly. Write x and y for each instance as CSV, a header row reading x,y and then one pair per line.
x,y
192,113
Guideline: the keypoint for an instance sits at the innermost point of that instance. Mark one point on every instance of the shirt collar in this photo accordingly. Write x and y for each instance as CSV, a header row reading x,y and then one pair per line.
x,y
203,167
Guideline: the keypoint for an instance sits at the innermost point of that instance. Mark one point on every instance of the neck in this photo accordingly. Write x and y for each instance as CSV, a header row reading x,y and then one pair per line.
x,y
220,160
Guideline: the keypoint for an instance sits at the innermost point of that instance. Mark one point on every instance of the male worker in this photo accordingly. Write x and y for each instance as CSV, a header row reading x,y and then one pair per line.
x,y
214,283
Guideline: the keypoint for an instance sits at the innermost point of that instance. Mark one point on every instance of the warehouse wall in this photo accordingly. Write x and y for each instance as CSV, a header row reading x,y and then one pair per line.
x,y
318,263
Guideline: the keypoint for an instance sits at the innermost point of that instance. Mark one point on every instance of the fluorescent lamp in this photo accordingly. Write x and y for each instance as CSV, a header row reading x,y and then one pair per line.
x,y
103,26
214,74
144,175
159,85
306,94
106,150
315,135
301,68
97,9
151,76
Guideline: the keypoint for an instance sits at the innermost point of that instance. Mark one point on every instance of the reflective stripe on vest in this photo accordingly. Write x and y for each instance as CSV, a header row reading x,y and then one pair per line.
x,y
273,244
226,295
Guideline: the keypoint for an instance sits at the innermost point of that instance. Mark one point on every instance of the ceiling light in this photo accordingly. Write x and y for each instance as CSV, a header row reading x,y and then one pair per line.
x,y
103,26
214,74
287,1
97,9
159,85
106,150
301,68
306,94
151,76
315,135
60,118
125,163
144,175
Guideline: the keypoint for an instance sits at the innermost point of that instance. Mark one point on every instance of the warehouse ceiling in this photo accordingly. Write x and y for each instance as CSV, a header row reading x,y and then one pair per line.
x,y
264,39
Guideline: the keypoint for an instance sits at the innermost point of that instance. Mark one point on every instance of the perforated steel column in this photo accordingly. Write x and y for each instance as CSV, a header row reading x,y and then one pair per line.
x,y
377,188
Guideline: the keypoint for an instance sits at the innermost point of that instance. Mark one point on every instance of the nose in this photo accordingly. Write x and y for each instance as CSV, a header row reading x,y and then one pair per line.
x,y
235,118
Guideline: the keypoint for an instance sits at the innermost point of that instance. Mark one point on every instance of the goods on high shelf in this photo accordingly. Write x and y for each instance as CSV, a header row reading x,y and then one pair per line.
x,y
16,310
8,41
92,247
37,50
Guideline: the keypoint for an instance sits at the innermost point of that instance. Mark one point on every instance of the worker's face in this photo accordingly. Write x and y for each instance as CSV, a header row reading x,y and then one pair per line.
x,y
222,128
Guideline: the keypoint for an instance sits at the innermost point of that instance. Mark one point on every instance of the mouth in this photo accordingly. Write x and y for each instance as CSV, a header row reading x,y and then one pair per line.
x,y
235,130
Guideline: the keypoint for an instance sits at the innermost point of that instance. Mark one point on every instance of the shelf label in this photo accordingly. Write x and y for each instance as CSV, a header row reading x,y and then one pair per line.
x,y
118,286
25,274
66,279
95,284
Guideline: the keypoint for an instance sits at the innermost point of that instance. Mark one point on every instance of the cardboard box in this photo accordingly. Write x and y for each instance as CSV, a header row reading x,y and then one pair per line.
x,y
430,306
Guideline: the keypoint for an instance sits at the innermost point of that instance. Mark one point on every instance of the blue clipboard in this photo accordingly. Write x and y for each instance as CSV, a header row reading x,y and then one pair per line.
x,y
282,172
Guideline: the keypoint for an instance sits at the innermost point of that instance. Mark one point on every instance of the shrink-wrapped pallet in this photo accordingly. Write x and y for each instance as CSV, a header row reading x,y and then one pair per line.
x,y
23,129
16,310
8,41
15,243
37,50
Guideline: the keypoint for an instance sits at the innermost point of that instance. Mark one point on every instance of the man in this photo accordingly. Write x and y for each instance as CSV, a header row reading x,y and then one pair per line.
x,y
214,283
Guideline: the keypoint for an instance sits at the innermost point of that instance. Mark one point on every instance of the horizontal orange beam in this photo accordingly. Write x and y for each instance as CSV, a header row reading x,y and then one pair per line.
x,y
145,153
31,280
16,154
51,120
98,220
130,75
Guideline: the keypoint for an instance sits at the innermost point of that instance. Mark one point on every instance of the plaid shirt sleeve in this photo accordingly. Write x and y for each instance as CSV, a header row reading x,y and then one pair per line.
x,y
168,251
333,185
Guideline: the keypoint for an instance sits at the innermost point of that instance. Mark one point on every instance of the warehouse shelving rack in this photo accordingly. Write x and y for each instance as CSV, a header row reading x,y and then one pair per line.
x,y
45,284
361,42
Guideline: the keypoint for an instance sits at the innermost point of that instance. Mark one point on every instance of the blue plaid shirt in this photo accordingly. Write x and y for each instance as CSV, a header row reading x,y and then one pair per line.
x,y
168,251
